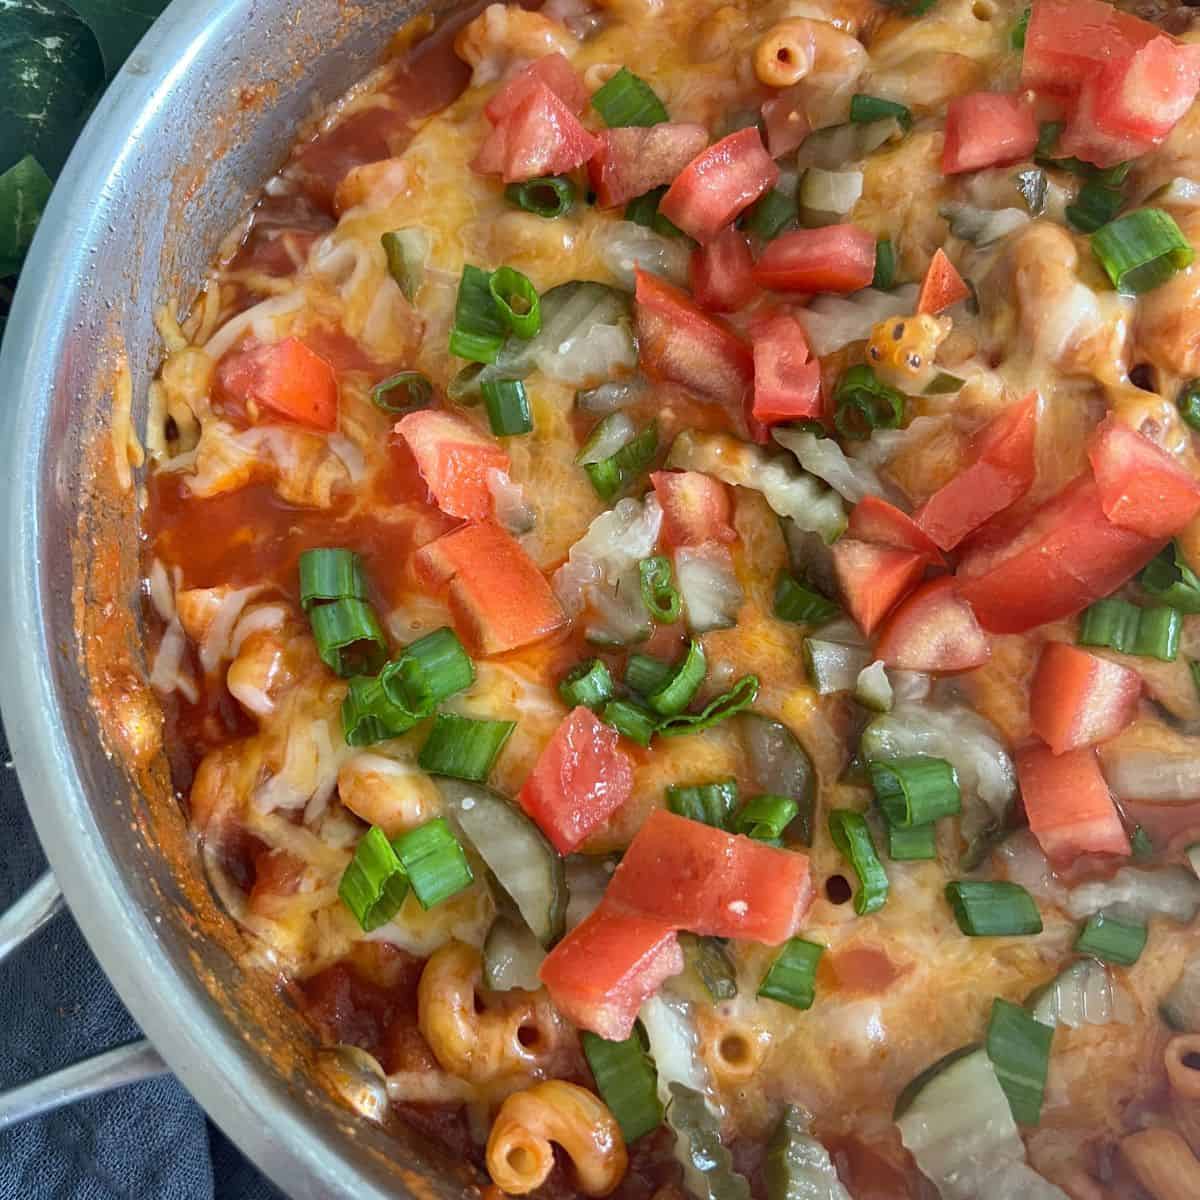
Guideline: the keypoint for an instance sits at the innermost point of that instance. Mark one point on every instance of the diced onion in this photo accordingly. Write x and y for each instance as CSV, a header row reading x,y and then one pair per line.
x,y
824,458
508,501
832,322
1084,994
1154,776
831,192
982,226
708,587
1136,894
626,245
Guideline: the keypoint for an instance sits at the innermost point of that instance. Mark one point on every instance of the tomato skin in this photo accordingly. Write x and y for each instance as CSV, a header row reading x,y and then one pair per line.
x,y
1068,804
1141,486
540,136
787,380
873,519
835,258
696,508
600,974
987,129
934,631
580,779
286,378
710,882
499,598
1078,699
1001,473
555,71
942,285
454,459
722,272
785,122
872,578
718,184
631,161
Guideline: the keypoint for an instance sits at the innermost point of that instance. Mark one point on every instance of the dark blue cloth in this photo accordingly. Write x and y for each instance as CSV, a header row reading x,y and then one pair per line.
x,y
140,1142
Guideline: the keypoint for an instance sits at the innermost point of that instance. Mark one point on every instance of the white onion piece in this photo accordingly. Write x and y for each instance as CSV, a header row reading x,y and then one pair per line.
x,y
873,689
708,587
834,192
1181,192
609,437
910,685
1153,776
982,226
674,1046
352,457
824,458
612,396
508,502
836,145
626,246
1136,894
832,322
1084,994
833,667
1181,1005
1025,863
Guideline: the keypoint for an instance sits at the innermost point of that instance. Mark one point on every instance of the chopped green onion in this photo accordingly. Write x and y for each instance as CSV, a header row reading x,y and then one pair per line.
x,y
330,573
912,843
916,790
885,265
993,909
643,210
644,674
435,863
416,388
709,803
796,602
710,960
853,839
1094,207
864,109
770,215
550,197
1194,669
589,683
628,100
349,638
1120,942
1188,403
1141,843
863,404
1016,39
374,885
406,250
631,720
368,716
792,977
627,1082
677,692
507,407
615,474
1048,135
518,301
766,817
463,748
479,329
1019,1049
726,705
430,670
1141,250
1168,578
659,594
1151,632
944,384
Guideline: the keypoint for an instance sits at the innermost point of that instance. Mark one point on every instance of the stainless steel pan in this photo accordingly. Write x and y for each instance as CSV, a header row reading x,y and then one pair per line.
x,y
201,115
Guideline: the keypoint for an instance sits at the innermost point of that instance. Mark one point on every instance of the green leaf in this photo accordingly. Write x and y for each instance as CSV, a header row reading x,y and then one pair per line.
x,y
119,24
24,190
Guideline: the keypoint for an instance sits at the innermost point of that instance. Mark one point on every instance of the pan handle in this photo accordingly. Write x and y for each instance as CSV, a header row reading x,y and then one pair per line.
x,y
113,1068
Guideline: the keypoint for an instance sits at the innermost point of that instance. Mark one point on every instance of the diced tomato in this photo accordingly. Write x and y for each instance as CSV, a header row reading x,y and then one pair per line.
x,y
785,122
454,459
934,630
286,377
787,381
873,519
602,972
710,882
679,342
499,598
696,508
580,779
942,286
1141,486
1068,804
1082,139
834,258
630,161
554,71
1051,563
987,129
722,272
718,184
1078,699
1002,472
873,578
541,136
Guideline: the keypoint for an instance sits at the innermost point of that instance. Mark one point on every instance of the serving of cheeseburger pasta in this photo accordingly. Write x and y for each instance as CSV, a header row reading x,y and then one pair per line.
x,y
672,554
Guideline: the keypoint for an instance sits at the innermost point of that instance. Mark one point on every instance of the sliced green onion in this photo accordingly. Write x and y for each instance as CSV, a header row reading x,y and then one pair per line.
x,y
630,719
413,391
770,215
628,100
331,573
915,790
944,384
792,977
643,210
430,670
794,601
627,1082
710,960
374,885
1095,206
1048,135
1188,403
507,407
1016,38
435,863
1194,669
407,251
479,329
863,404
912,843
1120,942
615,474
550,196
678,691
518,301
1151,632
1141,250
724,706
589,683
368,716
864,109
1019,1048
659,594
885,265
766,817
993,909
709,803
349,637
644,674
853,839
463,748
1168,578
1141,843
